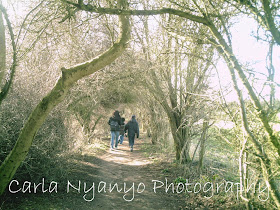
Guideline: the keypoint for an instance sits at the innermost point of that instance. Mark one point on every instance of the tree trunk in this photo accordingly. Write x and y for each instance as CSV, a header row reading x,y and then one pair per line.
x,y
2,48
96,122
264,159
57,94
181,141
10,74
243,171
186,145
202,144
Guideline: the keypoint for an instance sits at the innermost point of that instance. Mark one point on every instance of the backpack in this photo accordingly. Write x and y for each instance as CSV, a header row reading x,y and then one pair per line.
x,y
114,125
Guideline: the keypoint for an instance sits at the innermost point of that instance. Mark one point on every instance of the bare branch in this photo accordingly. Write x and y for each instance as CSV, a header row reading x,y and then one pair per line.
x,y
11,72
114,11
56,95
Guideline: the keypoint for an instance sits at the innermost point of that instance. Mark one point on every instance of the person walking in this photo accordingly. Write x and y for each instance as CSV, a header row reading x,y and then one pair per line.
x,y
115,122
122,130
132,129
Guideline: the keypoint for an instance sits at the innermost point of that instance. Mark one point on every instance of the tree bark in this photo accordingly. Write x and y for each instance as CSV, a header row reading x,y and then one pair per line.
x,y
202,144
10,74
95,123
57,94
270,22
2,48
113,11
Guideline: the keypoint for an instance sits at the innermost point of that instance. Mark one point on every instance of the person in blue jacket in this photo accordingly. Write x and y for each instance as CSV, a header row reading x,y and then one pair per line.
x,y
115,122
132,129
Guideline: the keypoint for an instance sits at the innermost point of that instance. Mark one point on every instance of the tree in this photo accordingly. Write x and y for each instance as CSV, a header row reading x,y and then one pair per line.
x,y
57,94
177,78
2,47
182,94
215,16
10,74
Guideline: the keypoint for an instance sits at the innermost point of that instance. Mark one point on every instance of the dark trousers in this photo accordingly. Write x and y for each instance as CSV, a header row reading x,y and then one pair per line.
x,y
131,140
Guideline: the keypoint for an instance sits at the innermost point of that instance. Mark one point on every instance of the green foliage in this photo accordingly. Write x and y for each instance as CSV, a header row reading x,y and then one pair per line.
x,y
179,180
166,170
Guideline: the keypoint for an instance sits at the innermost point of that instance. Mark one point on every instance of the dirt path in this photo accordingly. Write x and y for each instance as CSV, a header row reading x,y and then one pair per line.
x,y
131,171
133,168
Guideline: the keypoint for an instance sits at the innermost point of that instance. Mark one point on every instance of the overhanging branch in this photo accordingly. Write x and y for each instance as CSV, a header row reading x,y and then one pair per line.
x,y
56,95
115,11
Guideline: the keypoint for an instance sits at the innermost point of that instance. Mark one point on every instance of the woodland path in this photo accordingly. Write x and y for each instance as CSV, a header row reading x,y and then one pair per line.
x,y
116,166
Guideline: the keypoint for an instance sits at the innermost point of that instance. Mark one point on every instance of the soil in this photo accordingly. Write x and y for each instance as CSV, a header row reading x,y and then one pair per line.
x,y
134,173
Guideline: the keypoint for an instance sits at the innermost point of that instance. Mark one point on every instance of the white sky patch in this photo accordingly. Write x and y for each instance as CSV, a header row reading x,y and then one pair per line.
x,y
244,44
252,54
224,124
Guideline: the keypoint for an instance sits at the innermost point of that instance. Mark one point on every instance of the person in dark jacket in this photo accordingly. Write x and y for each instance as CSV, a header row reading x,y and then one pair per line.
x,y
132,128
115,122
121,136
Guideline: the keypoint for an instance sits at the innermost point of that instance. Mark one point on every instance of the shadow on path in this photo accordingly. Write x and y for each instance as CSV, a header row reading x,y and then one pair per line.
x,y
116,179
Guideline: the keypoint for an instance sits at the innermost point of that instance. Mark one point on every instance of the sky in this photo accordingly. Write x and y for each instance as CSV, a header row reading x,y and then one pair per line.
x,y
251,53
